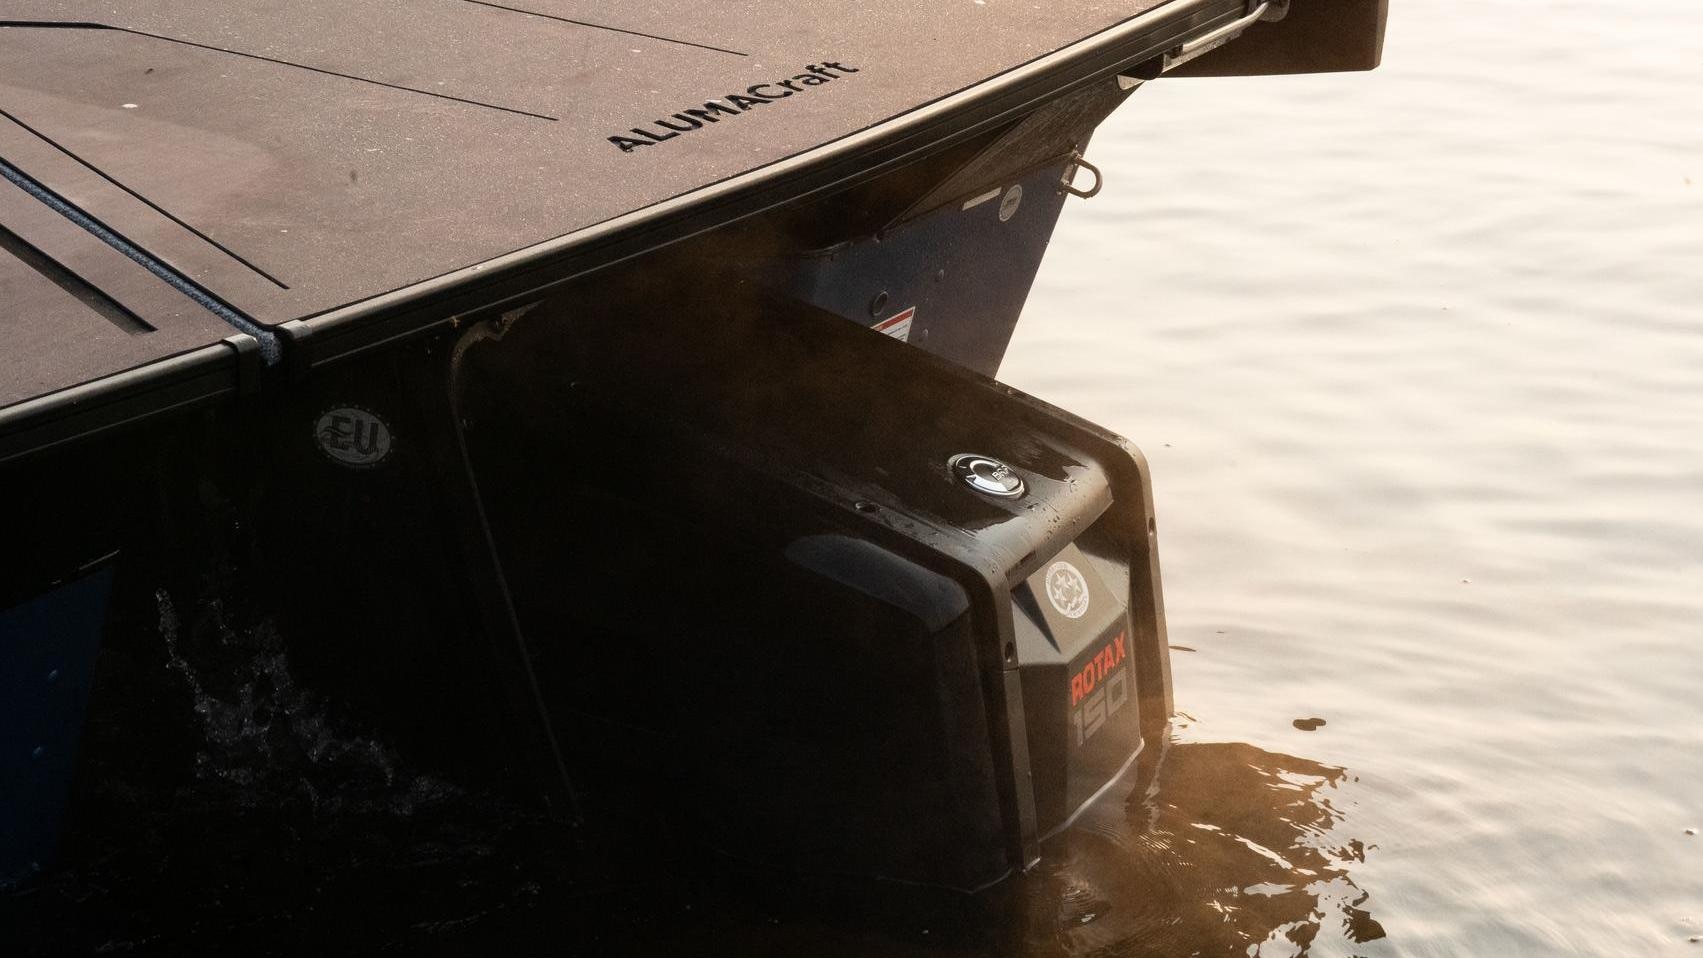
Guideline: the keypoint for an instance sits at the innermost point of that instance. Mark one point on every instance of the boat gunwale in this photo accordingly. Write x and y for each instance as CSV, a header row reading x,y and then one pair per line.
x,y
868,152
502,282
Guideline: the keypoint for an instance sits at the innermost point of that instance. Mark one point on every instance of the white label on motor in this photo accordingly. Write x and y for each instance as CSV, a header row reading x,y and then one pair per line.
x,y
1068,590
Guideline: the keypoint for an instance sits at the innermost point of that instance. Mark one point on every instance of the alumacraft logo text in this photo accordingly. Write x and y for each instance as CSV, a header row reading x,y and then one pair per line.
x,y
713,111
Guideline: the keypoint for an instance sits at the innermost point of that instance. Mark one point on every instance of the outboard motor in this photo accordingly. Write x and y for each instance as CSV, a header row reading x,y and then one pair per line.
x,y
831,601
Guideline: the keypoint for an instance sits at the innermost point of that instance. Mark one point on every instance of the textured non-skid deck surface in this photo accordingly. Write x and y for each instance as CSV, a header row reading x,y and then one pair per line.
x,y
341,148
293,157
57,326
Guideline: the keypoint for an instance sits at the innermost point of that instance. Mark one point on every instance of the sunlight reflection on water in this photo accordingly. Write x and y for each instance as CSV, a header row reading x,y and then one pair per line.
x,y
1235,850
1415,355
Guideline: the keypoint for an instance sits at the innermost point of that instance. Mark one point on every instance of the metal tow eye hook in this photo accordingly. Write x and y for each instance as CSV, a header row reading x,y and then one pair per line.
x,y
1068,184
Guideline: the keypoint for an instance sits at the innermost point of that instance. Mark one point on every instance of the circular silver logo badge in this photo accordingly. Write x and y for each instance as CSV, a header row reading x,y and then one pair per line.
x,y
1067,590
987,475
352,436
1008,203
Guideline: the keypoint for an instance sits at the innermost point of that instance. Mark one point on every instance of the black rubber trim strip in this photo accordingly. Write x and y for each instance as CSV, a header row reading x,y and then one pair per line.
x,y
85,164
832,166
200,295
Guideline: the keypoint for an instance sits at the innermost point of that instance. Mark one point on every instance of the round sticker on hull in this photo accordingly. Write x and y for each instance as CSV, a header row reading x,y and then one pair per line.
x,y
1067,589
1008,204
352,436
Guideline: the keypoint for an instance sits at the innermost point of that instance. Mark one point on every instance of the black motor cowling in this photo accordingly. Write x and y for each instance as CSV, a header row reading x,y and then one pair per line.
x,y
838,603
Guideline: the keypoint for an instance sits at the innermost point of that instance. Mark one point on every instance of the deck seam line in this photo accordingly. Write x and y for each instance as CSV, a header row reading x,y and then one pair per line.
x,y
269,349
74,285
605,26
285,63
143,199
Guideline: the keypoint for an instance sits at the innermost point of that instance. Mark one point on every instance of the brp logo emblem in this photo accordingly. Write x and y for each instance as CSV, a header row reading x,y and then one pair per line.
x,y
987,475
352,436
1067,590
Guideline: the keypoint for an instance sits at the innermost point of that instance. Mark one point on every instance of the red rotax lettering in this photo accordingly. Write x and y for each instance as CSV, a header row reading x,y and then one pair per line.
x,y
1106,659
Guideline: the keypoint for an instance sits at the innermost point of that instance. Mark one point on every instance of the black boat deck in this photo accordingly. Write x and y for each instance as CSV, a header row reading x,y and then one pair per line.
x,y
289,160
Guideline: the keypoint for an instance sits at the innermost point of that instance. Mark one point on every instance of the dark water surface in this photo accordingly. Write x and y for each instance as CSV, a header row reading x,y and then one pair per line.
x,y
1418,359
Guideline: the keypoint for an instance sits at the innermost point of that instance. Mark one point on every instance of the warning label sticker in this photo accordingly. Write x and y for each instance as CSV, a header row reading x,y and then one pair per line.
x,y
898,325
